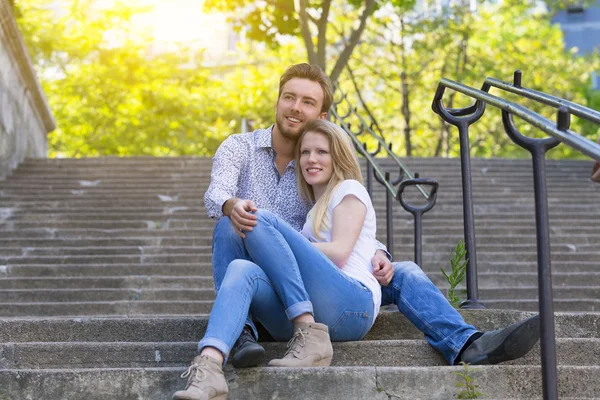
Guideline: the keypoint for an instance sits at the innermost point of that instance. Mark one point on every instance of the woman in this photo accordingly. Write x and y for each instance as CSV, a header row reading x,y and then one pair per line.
x,y
323,274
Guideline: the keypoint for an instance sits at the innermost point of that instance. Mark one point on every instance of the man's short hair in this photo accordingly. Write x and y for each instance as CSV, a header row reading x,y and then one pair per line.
x,y
313,73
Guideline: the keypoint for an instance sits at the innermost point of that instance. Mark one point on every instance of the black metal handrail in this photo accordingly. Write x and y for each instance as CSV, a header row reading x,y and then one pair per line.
x,y
544,98
383,177
559,132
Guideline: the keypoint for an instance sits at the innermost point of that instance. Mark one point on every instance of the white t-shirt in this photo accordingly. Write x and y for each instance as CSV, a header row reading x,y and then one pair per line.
x,y
358,265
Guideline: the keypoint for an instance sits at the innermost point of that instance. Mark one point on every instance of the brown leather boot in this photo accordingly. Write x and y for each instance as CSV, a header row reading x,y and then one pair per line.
x,y
309,347
206,381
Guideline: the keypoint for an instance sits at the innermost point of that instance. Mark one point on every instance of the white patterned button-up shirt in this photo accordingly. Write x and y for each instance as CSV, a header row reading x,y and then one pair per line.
x,y
244,167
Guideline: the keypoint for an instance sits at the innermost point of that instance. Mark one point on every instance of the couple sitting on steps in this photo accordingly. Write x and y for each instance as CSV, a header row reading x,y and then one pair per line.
x,y
295,249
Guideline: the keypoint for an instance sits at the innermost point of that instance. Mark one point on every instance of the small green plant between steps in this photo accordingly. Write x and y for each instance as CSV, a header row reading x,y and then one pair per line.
x,y
467,384
457,274
4,395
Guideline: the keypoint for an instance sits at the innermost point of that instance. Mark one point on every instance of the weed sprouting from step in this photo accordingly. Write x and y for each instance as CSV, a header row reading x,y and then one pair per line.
x,y
457,275
467,384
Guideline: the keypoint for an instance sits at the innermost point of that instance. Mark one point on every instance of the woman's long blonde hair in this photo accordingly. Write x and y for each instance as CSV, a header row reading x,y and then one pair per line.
x,y
345,166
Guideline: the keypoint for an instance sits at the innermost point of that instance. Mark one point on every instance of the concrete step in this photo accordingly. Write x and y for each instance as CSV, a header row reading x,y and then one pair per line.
x,y
574,304
139,308
559,293
205,269
448,188
196,256
135,282
495,382
404,225
103,295
388,326
403,232
78,295
107,308
378,353
524,279
515,250
104,270
450,210
204,238
557,219
79,199
491,280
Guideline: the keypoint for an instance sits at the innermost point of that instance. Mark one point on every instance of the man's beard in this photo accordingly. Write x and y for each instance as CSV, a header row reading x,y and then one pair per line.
x,y
286,133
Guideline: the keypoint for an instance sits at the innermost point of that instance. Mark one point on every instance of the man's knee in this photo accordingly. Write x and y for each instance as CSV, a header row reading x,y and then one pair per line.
x,y
225,233
408,269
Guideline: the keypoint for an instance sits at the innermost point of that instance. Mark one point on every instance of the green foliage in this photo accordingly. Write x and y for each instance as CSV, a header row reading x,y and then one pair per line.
x,y
111,95
467,47
262,22
467,384
457,274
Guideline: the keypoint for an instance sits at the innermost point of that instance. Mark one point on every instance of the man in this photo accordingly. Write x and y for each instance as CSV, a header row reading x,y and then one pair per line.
x,y
256,170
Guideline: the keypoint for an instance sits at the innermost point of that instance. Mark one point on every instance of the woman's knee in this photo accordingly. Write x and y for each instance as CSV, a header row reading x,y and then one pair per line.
x,y
264,219
265,216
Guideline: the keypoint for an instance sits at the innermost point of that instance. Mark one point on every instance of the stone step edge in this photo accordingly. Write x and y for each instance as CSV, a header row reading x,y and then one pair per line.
x,y
398,352
495,382
388,325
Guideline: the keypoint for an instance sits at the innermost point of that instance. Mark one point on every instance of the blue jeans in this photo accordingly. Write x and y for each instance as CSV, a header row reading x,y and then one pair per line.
x,y
410,289
427,308
287,277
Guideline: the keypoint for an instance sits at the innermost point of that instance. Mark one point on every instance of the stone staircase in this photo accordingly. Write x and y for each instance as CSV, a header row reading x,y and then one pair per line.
x,y
105,284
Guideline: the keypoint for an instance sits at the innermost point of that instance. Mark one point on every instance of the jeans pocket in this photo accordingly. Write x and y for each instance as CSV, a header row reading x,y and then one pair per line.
x,y
351,325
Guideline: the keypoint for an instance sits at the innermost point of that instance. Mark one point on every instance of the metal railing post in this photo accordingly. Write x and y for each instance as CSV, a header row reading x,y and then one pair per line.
x,y
558,132
462,119
538,149
418,212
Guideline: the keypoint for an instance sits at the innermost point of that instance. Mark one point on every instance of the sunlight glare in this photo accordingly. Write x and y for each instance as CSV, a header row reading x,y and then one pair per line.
x,y
183,21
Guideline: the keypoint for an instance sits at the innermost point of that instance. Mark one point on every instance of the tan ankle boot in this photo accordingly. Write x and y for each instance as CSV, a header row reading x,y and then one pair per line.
x,y
206,381
309,347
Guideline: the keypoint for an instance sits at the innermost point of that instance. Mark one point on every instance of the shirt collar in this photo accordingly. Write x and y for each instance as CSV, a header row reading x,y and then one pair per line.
x,y
264,138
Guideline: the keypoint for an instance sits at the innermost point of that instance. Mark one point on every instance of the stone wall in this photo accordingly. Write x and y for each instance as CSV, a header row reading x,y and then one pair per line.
x,y
25,117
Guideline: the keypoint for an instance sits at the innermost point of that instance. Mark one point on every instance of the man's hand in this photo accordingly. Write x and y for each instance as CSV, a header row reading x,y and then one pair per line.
x,y
238,211
383,270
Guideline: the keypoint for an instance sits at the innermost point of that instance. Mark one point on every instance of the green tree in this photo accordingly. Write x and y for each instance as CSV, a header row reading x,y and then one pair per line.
x,y
405,54
112,96
268,21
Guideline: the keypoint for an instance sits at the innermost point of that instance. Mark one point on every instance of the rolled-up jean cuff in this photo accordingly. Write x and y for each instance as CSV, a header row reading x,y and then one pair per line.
x,y
217,344
300,308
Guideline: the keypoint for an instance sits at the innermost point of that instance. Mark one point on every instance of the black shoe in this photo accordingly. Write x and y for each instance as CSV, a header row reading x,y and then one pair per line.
x,y
246,352
505,344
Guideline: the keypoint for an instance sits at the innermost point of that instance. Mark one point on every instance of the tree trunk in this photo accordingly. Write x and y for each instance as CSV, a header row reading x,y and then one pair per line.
x,y
405,94
352,42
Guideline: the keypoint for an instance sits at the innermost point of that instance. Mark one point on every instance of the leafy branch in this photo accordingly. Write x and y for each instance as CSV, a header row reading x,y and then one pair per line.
x,y
457,274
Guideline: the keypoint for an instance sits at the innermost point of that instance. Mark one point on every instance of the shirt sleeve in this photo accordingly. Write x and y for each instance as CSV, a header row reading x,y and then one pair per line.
x,y
350,187
382,247
224,177
355,188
